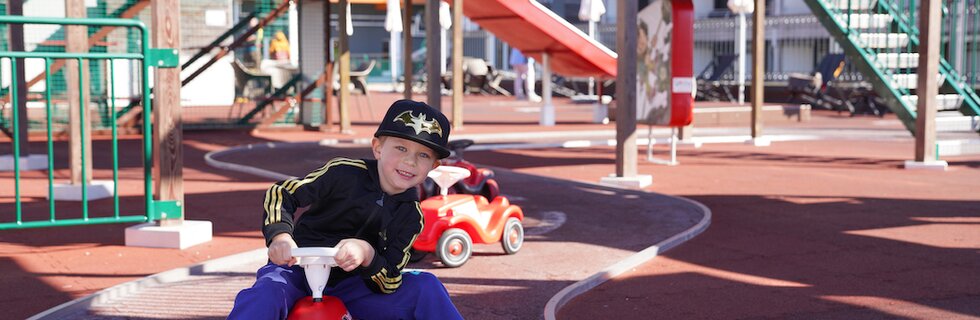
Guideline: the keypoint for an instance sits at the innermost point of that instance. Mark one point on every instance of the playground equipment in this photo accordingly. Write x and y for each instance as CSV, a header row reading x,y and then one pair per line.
x,y
479,181
316,262
454,222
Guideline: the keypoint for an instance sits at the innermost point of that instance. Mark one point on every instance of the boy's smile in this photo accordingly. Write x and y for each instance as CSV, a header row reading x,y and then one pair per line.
x,y
402,163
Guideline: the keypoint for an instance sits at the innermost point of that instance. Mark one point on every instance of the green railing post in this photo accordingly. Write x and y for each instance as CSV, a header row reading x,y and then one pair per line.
x,y
115,139
47,117
16,122
83,107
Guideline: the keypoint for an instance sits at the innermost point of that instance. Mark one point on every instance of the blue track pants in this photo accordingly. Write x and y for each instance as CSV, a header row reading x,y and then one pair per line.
x,y
277,288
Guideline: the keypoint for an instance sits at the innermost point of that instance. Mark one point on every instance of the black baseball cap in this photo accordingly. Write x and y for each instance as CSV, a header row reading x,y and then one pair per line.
x,y
419,122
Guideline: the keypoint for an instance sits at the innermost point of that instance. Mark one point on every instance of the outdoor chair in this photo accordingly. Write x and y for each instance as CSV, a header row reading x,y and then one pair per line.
x,y
358,81
824,89
359,76
476,75
250,85
494,79
710,86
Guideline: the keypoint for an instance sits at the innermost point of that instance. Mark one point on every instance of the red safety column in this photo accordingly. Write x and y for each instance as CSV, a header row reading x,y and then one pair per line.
x,y
682,64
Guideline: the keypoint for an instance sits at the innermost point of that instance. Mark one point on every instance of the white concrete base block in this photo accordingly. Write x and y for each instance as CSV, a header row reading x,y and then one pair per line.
x,y
97,190
759,142
547,115
600,113
27,163
635,182
690,142
186,234
927,165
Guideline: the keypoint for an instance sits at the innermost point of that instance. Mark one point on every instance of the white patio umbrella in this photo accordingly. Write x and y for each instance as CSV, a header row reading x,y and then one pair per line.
x,y
592,11
350,24
446,22
393,23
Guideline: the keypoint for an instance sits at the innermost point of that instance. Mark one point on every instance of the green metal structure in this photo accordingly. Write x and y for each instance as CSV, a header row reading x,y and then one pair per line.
x,y
147,57
881,37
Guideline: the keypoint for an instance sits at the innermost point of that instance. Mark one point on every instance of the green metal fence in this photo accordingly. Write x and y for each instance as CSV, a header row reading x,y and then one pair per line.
x,y
145,57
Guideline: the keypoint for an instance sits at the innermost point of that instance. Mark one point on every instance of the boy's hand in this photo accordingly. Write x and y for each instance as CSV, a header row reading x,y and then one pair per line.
x,y
353,253
280,250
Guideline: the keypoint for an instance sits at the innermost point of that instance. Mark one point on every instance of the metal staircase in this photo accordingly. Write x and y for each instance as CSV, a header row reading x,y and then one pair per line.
x,y
881,37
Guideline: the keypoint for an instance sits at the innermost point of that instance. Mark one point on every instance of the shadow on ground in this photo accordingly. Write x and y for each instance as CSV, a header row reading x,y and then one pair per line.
x,y
820,257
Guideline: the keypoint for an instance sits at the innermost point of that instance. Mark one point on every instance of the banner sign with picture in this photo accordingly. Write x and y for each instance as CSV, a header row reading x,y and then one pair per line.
x,y
665,63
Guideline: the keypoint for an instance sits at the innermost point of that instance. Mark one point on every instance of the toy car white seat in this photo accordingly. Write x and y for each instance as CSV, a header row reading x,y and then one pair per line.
x,y
447,176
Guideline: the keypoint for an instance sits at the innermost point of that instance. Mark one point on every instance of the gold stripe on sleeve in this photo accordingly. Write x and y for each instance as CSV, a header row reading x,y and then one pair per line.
x,y
292,185
269,210
274,195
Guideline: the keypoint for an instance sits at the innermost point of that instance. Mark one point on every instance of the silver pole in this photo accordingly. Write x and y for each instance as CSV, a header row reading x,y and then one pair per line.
x,y
741,58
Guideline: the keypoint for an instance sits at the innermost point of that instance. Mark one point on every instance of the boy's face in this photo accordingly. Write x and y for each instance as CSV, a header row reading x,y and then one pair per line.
x,y
402,163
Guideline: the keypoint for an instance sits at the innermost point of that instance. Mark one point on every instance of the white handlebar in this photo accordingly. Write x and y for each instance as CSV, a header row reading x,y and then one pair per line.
x,y
314,252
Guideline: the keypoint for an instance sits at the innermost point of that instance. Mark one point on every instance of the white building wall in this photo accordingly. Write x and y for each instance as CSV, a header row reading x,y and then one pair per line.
x,y
793,7
797,57
702,8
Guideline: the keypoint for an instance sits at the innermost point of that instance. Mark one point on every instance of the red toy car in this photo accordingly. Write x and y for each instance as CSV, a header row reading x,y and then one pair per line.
x,y
454,222
480,181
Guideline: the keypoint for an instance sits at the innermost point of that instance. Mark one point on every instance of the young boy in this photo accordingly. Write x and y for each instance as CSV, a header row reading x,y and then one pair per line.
x,y
369,211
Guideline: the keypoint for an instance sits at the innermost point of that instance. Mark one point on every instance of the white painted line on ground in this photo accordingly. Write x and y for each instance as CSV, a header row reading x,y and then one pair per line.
x,y
550,221
572,291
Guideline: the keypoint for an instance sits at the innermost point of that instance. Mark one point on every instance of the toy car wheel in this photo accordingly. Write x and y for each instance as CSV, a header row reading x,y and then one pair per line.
x,y
513,237
454,247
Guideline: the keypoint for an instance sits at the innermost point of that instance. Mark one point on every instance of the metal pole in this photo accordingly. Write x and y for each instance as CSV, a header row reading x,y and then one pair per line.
x,y
741,57
490,49
592,35
547,109
393,45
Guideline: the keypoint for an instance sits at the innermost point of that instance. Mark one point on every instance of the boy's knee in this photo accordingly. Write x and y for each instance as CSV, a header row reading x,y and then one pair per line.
x,y
425,281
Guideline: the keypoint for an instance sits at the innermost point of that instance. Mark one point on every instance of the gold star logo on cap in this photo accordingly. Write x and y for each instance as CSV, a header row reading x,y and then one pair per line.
x,y
419,123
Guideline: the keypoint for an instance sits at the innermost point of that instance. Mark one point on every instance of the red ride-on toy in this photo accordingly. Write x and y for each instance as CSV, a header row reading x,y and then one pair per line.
x,y
453,222
480,180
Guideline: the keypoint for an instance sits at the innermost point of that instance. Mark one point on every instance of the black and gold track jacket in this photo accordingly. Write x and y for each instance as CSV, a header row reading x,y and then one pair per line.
x,y
341,197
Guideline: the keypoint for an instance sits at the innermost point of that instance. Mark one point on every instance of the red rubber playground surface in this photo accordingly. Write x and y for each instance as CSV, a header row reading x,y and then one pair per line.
x,y
828,228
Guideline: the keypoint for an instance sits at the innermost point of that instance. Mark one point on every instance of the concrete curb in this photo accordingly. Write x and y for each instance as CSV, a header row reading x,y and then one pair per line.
x,y
73,308
578,288
209,158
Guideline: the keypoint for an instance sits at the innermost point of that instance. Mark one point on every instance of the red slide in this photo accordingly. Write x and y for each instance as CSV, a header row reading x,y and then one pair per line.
x,y
534,29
